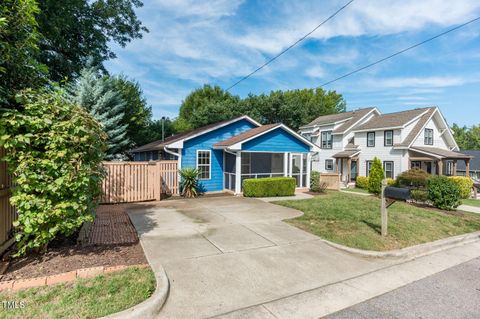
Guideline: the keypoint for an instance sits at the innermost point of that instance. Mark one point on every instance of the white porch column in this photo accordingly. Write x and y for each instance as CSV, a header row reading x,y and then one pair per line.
x,y
301,169
309,167
238,173
285,164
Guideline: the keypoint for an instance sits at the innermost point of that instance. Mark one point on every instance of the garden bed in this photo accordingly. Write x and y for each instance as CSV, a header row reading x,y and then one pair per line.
x,y
354,221
106,247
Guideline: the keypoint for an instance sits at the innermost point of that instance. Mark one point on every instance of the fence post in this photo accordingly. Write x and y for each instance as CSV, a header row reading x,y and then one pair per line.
x,y
157,181
384,211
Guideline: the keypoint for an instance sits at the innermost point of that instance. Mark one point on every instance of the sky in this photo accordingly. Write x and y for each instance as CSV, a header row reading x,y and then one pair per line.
x,y
217,42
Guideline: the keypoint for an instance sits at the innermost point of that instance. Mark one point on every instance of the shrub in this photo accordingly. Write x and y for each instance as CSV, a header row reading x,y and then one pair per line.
x,y
419,195
269,187
465,184
55,151
189,186
443,192
376,176
414,177
391,182
362,182
316,185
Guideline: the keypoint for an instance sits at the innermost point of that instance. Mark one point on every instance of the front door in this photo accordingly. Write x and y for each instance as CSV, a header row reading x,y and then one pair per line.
x,y
297,168
353,171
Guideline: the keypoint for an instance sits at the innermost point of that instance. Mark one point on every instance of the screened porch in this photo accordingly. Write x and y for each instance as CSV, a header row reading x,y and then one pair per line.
x,y
262,165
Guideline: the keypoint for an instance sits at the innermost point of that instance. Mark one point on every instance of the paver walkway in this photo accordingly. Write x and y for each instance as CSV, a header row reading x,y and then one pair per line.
x,y
234,257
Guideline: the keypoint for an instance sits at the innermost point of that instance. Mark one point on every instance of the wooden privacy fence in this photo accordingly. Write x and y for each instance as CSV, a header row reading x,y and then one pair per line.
x,y
139,181
7,212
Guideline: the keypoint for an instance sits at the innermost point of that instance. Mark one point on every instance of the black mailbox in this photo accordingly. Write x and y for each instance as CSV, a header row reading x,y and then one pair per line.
x,y
397,193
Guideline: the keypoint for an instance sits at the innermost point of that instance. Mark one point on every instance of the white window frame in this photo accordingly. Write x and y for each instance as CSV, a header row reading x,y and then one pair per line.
x,y
368,140
205,165
331,163
385,138
428,140
328,141
392,170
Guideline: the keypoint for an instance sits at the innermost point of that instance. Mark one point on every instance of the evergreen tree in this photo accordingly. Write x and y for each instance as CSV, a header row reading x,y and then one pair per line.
x,y
375,177
97,94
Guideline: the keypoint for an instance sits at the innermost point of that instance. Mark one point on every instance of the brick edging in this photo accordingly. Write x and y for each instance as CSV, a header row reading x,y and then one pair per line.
x,y
63,277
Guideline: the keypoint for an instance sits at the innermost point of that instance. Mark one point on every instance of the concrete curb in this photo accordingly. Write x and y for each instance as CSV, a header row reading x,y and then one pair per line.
x,y
412,251
151,307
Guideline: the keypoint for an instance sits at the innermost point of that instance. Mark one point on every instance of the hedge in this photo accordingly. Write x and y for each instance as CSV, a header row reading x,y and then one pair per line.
x,y
376,176
443,192
269,187
362,182
414,177
55,151
465,184
315,181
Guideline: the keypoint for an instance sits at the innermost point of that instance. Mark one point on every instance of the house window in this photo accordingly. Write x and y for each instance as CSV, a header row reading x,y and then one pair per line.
x,y
326,139
388,138
416,164
204,164
371,139
329,165
388,169
428,136
449,168
369,167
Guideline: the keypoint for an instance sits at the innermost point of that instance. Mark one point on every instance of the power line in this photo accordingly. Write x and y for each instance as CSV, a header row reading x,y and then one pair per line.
x,y
288,48
401,51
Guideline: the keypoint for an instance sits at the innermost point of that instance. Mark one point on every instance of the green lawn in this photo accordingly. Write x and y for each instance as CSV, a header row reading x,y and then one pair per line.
x,y
356,190
471,202
87,298
354,221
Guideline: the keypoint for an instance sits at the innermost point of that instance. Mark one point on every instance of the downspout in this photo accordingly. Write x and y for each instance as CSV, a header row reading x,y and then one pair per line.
x,y
178,155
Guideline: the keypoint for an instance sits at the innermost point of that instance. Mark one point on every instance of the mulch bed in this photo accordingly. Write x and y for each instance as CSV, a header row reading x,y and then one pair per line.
x,y
110,241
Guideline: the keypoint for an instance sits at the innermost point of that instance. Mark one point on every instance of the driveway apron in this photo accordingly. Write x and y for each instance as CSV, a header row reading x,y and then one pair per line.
x,y
227,253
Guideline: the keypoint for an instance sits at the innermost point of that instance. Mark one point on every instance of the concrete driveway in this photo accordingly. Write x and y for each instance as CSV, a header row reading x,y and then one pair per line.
x,y
223,254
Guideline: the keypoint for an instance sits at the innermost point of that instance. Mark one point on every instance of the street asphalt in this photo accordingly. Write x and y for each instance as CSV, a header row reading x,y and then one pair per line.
x,y
453,293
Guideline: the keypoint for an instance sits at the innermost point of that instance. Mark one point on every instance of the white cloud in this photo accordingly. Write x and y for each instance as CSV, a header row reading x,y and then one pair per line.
x,y
315,72
419,82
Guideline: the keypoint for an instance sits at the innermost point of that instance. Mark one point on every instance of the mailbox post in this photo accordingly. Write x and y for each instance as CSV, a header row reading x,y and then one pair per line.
x,y
383,209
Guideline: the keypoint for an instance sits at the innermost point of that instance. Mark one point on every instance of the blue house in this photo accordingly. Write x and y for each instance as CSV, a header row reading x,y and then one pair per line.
x,y
227,152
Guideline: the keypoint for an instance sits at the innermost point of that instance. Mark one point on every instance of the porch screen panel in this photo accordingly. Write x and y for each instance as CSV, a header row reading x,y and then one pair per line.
x,y
229,173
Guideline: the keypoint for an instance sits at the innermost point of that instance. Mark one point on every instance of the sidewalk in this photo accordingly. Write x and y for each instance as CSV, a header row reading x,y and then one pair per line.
x,y
328,299
468,208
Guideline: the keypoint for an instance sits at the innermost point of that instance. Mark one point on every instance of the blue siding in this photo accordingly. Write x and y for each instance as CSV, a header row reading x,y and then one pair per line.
x,y
277,140
205,142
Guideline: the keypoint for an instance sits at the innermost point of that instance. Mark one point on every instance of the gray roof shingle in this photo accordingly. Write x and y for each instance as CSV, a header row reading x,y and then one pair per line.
x,y
474,162
352,117
392,119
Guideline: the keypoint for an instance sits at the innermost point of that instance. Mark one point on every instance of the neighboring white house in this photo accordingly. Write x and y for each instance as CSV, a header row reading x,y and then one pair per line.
x,y
350,141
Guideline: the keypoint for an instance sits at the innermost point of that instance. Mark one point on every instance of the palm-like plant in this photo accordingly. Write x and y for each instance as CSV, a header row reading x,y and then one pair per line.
x,y
189,182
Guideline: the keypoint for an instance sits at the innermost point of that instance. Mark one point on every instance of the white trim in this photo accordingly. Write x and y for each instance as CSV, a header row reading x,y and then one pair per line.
x,y
387,128
238,146
309,166
426,153
238,173
179,143
203,165
355,124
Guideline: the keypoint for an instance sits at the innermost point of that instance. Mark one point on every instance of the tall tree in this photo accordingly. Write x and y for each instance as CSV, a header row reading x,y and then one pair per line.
x,y
137,112
205,105
19,37
75,31
293,108
96,93
468,138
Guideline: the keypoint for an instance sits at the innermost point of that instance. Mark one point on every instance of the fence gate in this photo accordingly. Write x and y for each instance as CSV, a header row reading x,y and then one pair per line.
x,y
7,212
139,181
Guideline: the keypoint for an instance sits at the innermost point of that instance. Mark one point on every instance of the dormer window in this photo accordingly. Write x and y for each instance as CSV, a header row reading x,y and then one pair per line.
x,y
388,138
326,139
428,136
